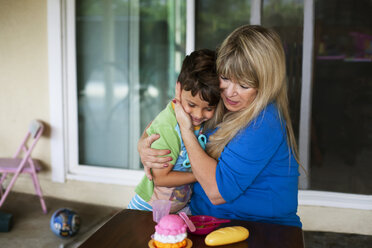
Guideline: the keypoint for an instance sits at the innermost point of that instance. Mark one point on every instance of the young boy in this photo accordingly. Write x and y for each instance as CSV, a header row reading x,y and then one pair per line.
x,y
200,95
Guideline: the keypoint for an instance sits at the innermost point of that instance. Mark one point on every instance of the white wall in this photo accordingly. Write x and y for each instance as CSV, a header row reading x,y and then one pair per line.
x,y
24,95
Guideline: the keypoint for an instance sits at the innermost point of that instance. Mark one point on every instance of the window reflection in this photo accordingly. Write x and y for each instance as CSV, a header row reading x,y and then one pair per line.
x,y
216,19
103,86
286,18
341,136
162,49
105,49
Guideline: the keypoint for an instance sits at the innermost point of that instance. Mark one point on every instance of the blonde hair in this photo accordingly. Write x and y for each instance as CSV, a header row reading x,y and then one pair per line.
x,y
252,56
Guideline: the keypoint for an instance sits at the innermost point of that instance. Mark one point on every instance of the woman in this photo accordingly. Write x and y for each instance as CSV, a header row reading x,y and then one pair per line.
x,y
250,169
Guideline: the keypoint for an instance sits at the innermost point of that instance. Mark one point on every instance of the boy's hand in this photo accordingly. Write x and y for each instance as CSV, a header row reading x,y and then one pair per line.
x,y
183,118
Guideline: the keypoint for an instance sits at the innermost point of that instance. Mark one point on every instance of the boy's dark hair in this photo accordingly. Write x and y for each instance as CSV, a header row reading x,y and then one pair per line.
x,y
198,75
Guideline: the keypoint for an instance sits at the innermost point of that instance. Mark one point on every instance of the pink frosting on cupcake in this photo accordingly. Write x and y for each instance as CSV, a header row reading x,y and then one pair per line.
x,y
171,225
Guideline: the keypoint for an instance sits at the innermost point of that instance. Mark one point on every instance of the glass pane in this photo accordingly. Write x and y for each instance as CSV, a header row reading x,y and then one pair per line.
x,y
102,77
341,137
104,68
162,50
286,18
214,20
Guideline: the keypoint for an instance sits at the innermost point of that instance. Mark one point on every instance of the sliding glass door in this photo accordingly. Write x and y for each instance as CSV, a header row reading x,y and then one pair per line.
x,y
128,56
341,118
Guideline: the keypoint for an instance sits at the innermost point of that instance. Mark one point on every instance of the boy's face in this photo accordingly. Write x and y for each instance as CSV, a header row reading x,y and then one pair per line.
x,y
198,109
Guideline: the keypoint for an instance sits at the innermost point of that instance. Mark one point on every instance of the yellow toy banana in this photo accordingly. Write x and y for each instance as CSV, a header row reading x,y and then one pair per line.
x,y
227,235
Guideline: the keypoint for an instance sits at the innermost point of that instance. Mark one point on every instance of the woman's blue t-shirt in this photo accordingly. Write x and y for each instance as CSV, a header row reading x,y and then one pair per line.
x,y
256,175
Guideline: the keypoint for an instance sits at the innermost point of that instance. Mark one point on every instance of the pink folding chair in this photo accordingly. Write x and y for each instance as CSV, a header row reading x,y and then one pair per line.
x,y
25,164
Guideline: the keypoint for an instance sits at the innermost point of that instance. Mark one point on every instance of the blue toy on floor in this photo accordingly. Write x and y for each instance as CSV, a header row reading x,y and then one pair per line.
x,y
65,223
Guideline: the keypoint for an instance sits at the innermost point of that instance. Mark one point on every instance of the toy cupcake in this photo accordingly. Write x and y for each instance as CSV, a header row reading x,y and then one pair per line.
x,y
170,232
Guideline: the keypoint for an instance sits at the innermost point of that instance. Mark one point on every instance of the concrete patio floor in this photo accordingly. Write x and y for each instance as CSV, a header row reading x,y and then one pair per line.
x,y
31,226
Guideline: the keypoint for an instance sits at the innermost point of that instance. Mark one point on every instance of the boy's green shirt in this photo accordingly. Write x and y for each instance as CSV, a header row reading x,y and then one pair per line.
x,y
164,124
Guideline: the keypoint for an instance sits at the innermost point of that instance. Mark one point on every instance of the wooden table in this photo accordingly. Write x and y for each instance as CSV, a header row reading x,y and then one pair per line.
x,y
133,228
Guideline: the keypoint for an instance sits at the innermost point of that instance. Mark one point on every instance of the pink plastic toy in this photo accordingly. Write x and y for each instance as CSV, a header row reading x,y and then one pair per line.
x,y
170,232
171,225
205,224
189,223
160,208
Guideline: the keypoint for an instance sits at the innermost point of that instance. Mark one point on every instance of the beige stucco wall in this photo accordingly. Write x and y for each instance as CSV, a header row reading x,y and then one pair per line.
x,y
23,73
315,218
24,95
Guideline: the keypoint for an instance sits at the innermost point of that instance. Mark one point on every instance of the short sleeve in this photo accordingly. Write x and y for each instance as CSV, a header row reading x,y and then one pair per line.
x,y
169,139
247,155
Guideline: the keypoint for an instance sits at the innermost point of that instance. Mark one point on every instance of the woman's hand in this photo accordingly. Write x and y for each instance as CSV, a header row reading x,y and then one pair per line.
x,y
183,118
150,157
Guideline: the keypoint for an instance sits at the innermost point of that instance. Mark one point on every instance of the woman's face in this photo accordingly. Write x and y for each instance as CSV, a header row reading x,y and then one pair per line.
x,y
236,96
